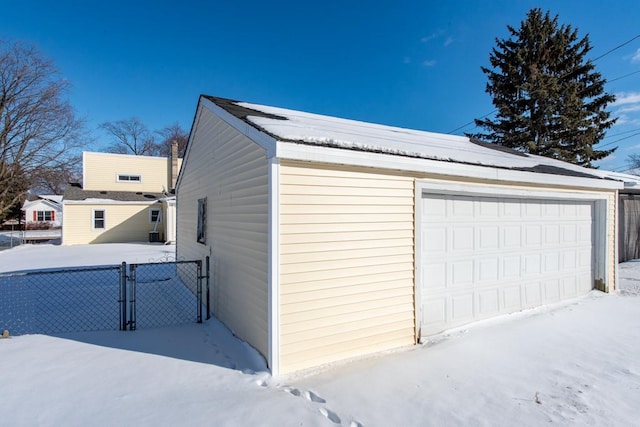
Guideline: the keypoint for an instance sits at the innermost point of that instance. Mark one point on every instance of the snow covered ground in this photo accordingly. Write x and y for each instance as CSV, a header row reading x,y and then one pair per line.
x,y
575,363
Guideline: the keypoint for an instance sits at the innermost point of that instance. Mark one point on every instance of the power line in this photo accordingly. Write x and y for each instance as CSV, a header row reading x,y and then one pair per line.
x,y
621,133
472,122
622,77
613,142
616,48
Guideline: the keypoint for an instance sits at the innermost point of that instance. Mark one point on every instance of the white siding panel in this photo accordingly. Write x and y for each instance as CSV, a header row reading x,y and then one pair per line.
x,y
346,263
232,173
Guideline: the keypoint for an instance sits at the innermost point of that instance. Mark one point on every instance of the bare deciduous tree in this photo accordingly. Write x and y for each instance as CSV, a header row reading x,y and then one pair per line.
x,y
130,136
38,127
633,160
170,134
54,180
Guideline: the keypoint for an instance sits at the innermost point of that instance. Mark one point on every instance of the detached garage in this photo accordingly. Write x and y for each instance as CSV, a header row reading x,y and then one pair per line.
x,y
332,238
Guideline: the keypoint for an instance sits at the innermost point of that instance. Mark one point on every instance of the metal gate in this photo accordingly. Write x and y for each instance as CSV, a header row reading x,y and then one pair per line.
x,y
163,294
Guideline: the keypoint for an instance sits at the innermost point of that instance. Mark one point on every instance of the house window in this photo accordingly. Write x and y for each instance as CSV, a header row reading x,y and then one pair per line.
x,y
44,215
129,178
155,216
98,219
202,221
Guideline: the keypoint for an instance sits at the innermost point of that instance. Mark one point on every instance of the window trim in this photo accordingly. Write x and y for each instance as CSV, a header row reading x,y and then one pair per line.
x,y
103,219
201,224
120,177
44,216
151,211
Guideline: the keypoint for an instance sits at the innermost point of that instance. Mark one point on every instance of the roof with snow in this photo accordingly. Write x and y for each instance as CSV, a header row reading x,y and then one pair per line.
x,y
326,131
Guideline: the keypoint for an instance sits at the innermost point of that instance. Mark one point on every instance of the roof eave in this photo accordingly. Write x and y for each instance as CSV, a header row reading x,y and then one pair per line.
x,y
292,151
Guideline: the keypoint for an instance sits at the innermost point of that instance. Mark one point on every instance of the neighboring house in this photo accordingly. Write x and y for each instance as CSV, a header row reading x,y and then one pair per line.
x,y
331,238
46,209
124,198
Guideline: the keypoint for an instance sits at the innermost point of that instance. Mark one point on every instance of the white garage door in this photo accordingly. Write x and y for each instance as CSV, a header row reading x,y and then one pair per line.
x,y
484,256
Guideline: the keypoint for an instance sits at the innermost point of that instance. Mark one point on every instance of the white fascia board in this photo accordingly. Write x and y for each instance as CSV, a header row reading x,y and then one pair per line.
x,y
302,152
262,139
273,279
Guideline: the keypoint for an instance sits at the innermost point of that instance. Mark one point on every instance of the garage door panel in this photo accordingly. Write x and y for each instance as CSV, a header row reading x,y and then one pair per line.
x,y
531,267
569,288
488,269
434,276
551,235
511,298
436,239
488,237
551,262
461,273
489,302
462,207
511,236
551,288
483,256
532,294
511,267
462,308
436,316
462,238
532,236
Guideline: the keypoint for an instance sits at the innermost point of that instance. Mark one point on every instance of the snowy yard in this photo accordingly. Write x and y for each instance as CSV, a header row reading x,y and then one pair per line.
x,y
575,363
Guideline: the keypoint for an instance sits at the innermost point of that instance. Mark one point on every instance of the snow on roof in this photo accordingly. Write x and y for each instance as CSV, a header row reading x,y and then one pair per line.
x,y
319,130
53,197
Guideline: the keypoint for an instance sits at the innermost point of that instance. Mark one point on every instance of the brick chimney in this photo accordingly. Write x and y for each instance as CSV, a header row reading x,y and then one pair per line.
x,y
174,164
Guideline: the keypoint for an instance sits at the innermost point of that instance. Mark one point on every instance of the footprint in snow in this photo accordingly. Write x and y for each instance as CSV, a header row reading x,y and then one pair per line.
x,y
292,391
330,415
312,397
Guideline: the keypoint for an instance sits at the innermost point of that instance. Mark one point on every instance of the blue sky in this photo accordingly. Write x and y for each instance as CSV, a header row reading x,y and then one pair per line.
x,y
412,64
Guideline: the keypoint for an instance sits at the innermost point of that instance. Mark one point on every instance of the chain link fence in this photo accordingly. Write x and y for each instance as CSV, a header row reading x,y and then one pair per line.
x,y
70,300
103,298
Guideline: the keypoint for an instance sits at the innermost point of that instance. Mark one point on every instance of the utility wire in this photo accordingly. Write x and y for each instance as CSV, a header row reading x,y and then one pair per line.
x,y
621,133
622,77
472,122
617,140
616,48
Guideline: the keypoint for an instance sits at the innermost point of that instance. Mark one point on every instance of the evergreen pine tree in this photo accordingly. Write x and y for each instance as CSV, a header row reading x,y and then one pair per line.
x,y
550,101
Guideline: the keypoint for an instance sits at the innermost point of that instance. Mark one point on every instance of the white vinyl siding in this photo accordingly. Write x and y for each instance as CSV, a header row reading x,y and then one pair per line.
x,y
347,264
231,172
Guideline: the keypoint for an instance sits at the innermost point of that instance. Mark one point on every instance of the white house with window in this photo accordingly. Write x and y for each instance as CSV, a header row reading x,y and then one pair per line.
x,y
123,198
43,212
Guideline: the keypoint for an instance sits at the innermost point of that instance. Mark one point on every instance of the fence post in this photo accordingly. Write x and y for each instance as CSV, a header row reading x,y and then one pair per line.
x,y
132,297
208,299
199,289
123,296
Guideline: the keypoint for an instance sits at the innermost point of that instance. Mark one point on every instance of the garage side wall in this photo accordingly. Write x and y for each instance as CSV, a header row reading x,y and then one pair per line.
x,y
346,263
231,173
